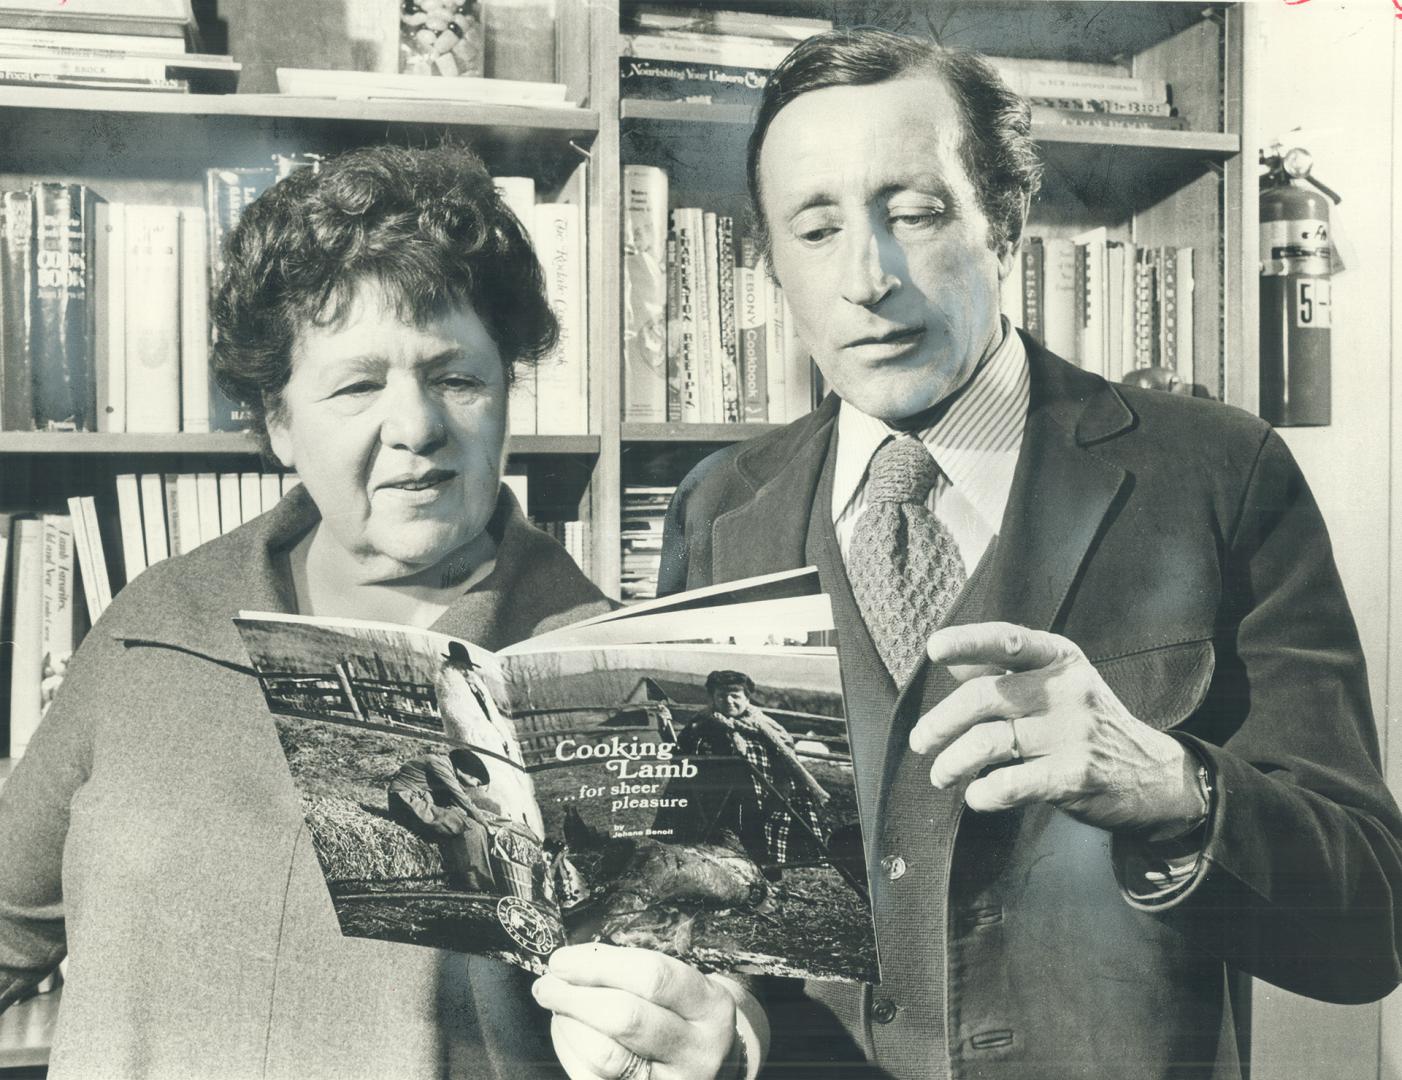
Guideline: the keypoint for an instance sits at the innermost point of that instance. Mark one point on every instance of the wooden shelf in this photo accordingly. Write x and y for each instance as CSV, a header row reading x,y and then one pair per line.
x,y
695,433
27,1031
570,121
227,442
1213,144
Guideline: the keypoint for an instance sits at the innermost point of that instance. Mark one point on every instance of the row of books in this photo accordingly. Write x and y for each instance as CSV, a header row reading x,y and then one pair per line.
x,y
727,56
104,322
55,578
1110,305
640,536
108,45
707,335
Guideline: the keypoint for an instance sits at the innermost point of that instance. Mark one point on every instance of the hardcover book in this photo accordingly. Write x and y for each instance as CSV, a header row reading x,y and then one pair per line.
x,y
16,312
644,294
648,777
61,338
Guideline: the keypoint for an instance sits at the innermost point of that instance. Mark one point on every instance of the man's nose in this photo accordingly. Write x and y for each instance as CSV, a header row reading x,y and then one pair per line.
x,y
866,279
413,418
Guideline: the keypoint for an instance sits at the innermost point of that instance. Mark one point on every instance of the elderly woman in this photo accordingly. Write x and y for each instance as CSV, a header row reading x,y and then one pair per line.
x,y
370,320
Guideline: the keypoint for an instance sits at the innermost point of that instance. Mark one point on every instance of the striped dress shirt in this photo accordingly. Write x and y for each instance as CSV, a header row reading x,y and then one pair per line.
x,y
975,444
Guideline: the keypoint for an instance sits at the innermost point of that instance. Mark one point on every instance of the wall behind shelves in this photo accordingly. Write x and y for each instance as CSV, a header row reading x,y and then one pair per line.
x,y
1331,69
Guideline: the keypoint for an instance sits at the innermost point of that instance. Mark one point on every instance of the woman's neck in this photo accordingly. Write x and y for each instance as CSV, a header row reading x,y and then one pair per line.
x,y
328,585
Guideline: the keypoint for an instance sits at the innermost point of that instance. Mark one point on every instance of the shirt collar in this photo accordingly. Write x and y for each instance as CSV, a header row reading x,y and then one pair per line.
x,y
983,425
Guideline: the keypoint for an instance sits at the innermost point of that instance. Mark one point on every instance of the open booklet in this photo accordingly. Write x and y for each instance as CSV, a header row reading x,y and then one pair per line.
x,y
675,775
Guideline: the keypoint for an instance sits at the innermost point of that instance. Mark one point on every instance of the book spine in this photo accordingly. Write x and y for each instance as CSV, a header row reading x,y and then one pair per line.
x,y
194,321
776,370
61,40
752,313
153,319
674,387
1112,106
101,578
799,375
83,550
1070,118
676,81
688,363
1143,309
1168,306
228,192
1187,371
27,657
1059,297
207,494
1047,83
110,343
1032,275
230,512
153,517
129,521
250,496
712,387
644,294
58,607
12,77
16,312
729,352
723,50
561,377
790,28
271,484
187,509
117,68
1114,311
1080,306
63,287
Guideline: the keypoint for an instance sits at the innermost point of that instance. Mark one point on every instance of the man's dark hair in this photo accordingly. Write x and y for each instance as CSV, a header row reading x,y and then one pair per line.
x,y
997,150
724,680
427,225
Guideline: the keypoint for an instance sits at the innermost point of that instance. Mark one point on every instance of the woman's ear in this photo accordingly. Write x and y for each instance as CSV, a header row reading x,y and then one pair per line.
x,y
279,433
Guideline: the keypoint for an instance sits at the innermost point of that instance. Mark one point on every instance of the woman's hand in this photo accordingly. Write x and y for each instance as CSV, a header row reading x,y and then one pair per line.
x,y
636,1013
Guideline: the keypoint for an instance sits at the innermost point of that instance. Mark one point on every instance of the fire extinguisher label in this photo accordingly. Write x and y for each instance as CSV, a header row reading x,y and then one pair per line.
x,y
1283,241
1312,304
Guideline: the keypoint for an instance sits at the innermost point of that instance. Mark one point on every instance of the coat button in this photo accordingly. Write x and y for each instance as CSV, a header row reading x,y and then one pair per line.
x,y
894,866
883,1010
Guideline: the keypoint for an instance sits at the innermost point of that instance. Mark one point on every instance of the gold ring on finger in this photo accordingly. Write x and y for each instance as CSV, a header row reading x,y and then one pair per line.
x,y
638,1068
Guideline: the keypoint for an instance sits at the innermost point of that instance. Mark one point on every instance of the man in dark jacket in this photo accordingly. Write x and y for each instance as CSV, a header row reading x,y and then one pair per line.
x,y
1116,742
1107,704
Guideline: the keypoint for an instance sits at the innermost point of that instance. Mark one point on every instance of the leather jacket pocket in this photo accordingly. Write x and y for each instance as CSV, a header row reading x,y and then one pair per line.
x,y
1162,686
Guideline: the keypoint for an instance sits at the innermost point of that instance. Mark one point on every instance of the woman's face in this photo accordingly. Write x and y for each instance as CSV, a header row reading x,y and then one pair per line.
x,y
398,431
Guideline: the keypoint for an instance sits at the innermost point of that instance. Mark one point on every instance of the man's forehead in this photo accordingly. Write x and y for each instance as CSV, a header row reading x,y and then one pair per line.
x,y
904,132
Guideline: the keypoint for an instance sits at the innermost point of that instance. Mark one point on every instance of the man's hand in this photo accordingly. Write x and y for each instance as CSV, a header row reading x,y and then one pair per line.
x,y
1030,702
611,1003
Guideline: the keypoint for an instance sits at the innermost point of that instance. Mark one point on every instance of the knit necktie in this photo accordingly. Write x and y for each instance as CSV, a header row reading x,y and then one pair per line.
x,y
903,563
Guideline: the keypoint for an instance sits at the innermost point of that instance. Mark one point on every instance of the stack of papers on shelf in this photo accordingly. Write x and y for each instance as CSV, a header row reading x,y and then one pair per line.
x,y
370,85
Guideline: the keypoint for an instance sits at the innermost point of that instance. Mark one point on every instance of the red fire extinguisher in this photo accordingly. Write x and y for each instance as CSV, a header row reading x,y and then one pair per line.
x,y
1296,308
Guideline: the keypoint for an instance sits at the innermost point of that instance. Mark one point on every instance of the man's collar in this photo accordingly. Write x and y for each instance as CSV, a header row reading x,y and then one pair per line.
x,y
986,418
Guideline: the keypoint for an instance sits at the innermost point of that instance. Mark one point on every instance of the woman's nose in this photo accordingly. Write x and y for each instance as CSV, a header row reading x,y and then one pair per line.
x,y
413,419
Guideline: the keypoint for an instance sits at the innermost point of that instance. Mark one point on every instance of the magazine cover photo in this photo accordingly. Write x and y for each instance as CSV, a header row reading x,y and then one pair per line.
x,y
693,797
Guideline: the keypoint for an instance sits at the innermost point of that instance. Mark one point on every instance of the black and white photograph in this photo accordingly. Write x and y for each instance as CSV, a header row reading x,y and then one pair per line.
x,y
700,539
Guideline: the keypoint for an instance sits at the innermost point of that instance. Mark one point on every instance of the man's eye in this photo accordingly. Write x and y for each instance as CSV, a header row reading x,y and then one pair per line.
x,y
914,219
460,383
816,234
365,386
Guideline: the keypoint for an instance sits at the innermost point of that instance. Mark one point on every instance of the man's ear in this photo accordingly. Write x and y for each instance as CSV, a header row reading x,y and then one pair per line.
x,y
1007,256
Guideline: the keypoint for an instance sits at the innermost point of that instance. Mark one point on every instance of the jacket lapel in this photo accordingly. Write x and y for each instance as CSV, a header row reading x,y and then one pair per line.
x,y
1061,491
767,532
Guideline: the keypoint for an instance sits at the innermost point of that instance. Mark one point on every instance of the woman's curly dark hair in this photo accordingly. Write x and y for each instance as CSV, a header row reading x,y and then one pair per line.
x,y
427,225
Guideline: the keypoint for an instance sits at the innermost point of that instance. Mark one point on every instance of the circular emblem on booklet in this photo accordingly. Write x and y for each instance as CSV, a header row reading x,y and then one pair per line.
x,y
530,925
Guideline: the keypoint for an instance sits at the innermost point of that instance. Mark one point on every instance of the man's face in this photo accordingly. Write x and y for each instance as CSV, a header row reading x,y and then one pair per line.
x,y
729,700
879,241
